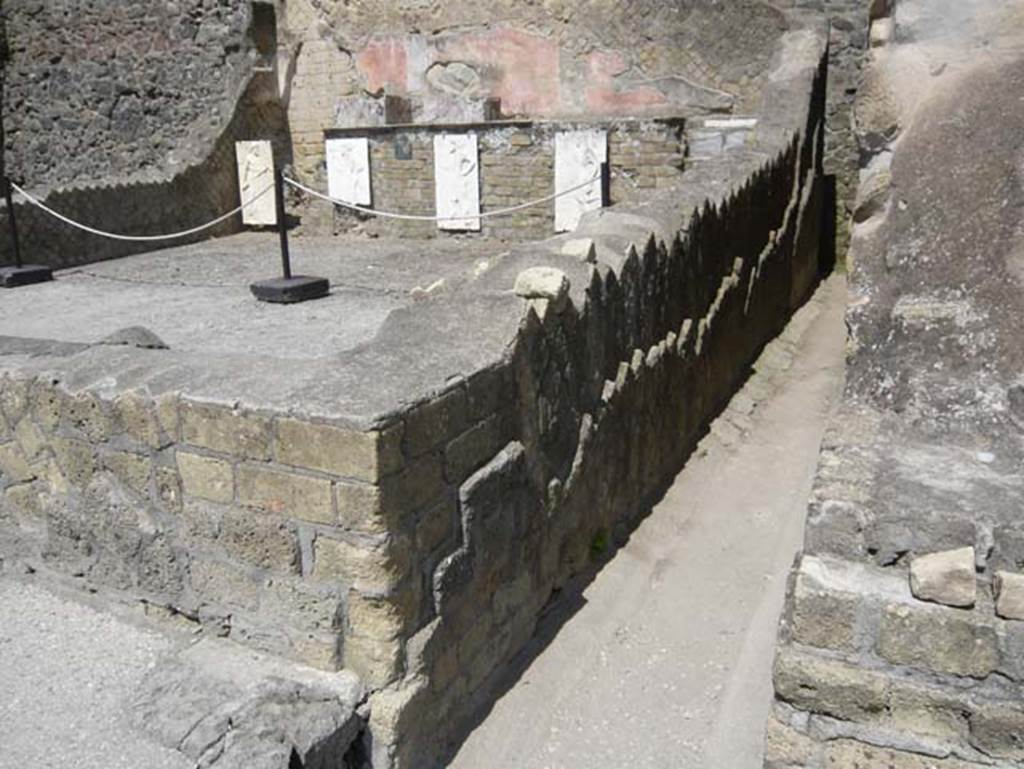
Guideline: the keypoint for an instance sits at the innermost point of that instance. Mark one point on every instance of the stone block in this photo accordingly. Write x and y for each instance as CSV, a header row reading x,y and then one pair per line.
x,y
377,663
947,577
133,470
136,417
45,403
997,728
30,439
205,477
926,710
220,429
200,521
286,494
76,459
13,466
938,639
830,687
849,754
436,525
420,484
368,568
86,413
824,618
359,507
473,449
1009,590
786,747
24,501
260,541
542,283
435,422
364,456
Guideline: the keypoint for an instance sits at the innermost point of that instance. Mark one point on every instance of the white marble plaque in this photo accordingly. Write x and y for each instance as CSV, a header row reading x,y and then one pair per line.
x,y
457,181
348,170
255,172
578,158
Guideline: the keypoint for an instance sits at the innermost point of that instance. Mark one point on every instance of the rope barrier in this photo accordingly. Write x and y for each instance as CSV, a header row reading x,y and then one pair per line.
x,y
140,238
424,218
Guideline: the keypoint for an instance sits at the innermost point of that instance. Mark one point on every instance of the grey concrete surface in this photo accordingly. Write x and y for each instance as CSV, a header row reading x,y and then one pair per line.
x,y
668,661
66,670
196,298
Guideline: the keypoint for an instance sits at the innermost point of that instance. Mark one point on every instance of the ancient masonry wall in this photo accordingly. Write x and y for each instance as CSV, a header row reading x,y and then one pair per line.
x,y
124,116
419,551
516,165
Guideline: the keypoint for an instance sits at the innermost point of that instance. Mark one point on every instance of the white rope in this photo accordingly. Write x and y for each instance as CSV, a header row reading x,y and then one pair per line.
x,y
423,218
140,238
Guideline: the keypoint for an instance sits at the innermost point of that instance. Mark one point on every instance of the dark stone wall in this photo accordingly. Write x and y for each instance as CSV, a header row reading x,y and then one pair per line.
x,y
123,116
101,91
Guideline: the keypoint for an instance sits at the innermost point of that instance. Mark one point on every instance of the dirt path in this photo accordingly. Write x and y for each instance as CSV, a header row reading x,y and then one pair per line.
x,y
668,664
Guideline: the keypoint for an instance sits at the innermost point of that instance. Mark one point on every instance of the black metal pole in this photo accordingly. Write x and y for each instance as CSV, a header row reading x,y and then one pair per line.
x,y
282,225
13,225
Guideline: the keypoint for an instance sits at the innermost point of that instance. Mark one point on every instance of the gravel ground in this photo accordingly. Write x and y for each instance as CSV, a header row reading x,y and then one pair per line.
x,y
65,672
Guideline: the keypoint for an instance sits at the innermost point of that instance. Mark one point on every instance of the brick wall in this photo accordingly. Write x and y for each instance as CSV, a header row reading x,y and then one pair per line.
x,y
516,166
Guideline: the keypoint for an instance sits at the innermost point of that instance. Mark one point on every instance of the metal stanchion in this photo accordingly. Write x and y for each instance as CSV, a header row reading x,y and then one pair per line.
x,y
19,274
289,288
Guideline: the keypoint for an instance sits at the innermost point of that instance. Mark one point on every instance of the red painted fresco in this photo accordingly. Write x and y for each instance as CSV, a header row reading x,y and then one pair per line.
x,y
384,63
604,97
518,67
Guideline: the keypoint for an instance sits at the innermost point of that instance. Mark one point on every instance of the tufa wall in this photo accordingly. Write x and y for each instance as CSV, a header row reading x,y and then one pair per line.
x,y
516,166
125,116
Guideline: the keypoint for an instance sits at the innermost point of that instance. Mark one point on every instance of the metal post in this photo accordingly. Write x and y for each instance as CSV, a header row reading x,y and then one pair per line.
x,y
282,225
14,226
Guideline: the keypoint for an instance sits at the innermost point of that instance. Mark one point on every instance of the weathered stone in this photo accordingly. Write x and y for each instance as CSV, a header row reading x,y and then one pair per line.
x,y
86,413
135,336
364,456
947,577
24,501
370,569
997,728
581,248
436,525
359,507
30,439
302,605
542,283
472,450
830,687
133,470
943,640
77,460
785,746
872,196
824,619
848,754
137,418
219,429
14,399
13,466
206,477
286,494
420,484
926,710
377,663
168,488
434,422
1009,590
223,583
259,540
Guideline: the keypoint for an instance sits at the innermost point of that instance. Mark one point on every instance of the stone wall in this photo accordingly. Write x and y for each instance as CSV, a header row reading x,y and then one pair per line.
x,y
516,166
556,59
124,117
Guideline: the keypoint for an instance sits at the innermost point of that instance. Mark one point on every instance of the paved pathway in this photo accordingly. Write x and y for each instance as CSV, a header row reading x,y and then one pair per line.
x,y
668,664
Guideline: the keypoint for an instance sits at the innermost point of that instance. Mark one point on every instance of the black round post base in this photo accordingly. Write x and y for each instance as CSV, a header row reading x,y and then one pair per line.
x,y
298,288
25,275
